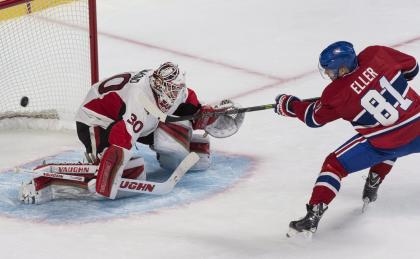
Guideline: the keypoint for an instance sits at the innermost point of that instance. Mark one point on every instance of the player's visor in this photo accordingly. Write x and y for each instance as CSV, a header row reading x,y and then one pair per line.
x,y
327,73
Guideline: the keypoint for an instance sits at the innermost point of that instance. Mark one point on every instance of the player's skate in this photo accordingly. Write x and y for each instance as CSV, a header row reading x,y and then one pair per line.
x,y
308,224
370,191
29,195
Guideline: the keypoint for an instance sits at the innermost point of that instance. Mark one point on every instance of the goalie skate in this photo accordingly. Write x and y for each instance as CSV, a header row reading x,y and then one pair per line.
x,y
28,194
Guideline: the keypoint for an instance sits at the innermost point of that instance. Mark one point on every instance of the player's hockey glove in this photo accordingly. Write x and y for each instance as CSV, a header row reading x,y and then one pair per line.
x,y
205,118
284,105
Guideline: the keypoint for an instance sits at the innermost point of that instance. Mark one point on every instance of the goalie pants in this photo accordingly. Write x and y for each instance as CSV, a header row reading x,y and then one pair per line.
x,y
100,141
355,155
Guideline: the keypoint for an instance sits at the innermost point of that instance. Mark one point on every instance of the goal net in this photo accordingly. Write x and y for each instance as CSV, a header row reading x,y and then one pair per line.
x,y
48,57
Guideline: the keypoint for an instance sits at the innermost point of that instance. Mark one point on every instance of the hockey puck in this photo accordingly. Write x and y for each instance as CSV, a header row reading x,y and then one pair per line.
x,y
24,101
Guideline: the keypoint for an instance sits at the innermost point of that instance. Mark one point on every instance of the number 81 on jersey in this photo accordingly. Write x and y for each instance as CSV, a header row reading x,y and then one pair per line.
x,y
381,109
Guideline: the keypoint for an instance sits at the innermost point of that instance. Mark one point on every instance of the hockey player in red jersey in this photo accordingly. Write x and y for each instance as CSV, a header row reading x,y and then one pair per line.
x,y
371,92
112,119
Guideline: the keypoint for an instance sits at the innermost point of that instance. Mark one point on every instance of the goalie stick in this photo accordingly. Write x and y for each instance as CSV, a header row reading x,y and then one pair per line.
x,y
155,111
139,186
130,185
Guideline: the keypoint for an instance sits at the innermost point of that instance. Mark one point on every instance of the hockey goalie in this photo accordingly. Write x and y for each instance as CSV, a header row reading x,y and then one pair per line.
x,y
110,121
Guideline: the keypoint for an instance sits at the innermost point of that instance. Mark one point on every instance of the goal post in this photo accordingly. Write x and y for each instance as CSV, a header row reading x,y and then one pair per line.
x,y
48,57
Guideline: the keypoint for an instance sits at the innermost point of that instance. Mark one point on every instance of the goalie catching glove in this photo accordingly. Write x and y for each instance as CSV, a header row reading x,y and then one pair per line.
x,y
216,122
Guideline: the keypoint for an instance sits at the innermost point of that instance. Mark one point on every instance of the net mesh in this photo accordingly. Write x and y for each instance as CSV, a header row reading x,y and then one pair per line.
x,y
45,56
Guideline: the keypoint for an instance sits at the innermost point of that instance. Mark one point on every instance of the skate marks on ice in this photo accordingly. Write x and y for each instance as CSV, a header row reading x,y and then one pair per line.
x,y
225,171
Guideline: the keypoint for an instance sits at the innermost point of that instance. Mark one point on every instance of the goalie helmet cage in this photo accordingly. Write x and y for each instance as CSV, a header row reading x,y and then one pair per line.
x,y
48,57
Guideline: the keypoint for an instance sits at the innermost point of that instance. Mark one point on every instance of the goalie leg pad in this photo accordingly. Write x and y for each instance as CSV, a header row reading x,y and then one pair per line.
x,y
110,172
172,143
173,137
54,183
135,169
201,146
29,193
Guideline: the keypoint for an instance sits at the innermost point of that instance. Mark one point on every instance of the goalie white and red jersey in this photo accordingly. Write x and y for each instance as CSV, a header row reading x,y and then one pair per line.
x,y
115,100
375,98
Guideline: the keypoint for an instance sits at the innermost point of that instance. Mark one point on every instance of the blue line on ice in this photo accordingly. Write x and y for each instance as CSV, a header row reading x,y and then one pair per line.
x,y
226,169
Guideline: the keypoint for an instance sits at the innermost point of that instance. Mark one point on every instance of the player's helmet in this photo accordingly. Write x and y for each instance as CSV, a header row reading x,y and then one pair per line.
x,y
168,82
335,56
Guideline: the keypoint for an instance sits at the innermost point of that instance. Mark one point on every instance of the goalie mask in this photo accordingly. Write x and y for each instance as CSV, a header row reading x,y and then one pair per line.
x,y
168,83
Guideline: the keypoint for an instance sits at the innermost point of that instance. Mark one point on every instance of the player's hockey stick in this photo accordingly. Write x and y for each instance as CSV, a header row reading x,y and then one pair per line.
x,y
129,185
221,112
155,111
228,112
